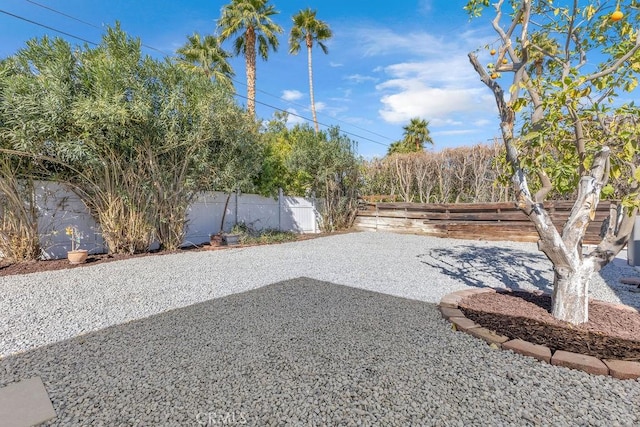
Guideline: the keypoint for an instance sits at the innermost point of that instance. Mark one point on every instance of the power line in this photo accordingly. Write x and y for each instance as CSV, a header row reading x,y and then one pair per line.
x,y
237,94
63,14
232,79
47,27
320,114
85,22
310,120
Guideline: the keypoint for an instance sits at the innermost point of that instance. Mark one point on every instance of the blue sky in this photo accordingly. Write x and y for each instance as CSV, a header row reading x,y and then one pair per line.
x,y
387,62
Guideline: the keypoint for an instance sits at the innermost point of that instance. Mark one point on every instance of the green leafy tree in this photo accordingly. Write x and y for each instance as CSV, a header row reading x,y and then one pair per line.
x,y
305,163
205,55
250,21
308,29
415,136
564,126
135,138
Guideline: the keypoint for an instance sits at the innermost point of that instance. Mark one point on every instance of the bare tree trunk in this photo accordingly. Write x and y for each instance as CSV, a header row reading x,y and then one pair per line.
x,y
313,102
250,60
570,300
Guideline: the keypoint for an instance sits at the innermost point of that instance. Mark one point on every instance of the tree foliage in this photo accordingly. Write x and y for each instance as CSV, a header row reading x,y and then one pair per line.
x,y
415,136
308,29
135,138
249,21
454,175
305,163
206,55
565,125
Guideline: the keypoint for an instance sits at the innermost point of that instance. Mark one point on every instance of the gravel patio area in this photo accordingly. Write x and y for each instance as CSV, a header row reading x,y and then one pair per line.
x,y
341,330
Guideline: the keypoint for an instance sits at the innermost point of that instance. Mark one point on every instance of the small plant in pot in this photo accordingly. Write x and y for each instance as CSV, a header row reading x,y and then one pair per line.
x,y
215,239
75,255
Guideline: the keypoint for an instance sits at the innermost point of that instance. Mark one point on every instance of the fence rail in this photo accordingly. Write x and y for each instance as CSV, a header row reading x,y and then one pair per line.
x,y
475,221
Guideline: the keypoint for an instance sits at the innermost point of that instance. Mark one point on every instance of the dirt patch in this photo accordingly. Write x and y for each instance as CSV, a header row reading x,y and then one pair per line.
x,y
610,333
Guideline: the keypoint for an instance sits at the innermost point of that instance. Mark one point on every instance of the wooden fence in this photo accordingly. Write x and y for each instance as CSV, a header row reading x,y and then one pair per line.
x,y
475,221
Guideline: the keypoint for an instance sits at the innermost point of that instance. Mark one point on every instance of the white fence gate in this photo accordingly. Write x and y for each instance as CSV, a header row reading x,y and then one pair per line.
x,y
60,208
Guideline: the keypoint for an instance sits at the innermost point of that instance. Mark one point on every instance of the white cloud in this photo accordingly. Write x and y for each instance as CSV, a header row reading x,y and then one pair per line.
x,y
332,111
439,85
293,120
433,104
335,64
374,41
291,95
359,78
482,122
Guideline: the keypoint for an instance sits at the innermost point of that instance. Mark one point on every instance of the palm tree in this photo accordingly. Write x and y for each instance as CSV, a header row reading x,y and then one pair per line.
x,y
308,29
204,54
416,133
251,21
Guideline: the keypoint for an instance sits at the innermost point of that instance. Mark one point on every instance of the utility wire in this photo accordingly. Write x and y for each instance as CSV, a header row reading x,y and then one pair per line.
x,y
232,79
150,47
84,22
320,114
63,14
47,27
311,120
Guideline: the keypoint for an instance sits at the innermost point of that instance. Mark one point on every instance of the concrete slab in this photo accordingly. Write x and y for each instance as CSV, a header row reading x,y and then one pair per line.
x,y
25,403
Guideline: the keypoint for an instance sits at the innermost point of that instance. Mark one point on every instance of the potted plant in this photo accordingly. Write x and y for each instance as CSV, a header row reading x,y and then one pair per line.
x,y
215,239
75,255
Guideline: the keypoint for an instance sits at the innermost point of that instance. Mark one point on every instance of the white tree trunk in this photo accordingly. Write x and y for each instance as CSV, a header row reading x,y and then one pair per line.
x,y
570,300
313,101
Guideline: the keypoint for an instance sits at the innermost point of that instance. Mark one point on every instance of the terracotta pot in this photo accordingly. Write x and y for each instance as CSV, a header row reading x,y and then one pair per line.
x,y
77,257
215,240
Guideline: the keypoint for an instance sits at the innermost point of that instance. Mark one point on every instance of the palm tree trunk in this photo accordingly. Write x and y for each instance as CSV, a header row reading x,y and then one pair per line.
x,y
313,103
250,60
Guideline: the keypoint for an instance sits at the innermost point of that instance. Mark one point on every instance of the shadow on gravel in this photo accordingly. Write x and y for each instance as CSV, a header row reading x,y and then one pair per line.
x,y
490,266
302,351
480,267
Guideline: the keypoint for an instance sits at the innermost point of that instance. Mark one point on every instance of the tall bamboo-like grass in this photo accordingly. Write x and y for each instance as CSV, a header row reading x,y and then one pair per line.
x,y
19,239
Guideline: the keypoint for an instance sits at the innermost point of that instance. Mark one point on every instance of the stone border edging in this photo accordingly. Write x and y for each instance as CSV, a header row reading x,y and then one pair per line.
x,y
621,369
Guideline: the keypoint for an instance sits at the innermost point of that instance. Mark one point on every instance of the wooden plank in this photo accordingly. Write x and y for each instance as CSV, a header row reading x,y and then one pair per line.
x,y
488,221
459,207
477,216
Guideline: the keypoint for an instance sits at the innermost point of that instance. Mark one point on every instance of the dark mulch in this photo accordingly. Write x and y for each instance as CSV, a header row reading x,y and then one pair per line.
x,y
59,264
610,333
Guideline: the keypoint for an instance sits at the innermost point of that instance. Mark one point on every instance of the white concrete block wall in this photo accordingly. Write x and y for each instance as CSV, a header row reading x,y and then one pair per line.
x,y
60,207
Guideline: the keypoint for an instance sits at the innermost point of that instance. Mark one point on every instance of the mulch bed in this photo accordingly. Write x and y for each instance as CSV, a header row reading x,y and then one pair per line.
x,y
610,333
60,264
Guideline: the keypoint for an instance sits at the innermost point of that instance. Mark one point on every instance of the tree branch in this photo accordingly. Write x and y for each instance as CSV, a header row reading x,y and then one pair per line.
x,y
546,187
616,64
584,208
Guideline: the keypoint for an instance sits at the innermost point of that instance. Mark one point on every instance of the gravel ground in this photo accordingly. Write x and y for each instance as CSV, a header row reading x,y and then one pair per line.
x,y
199,339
